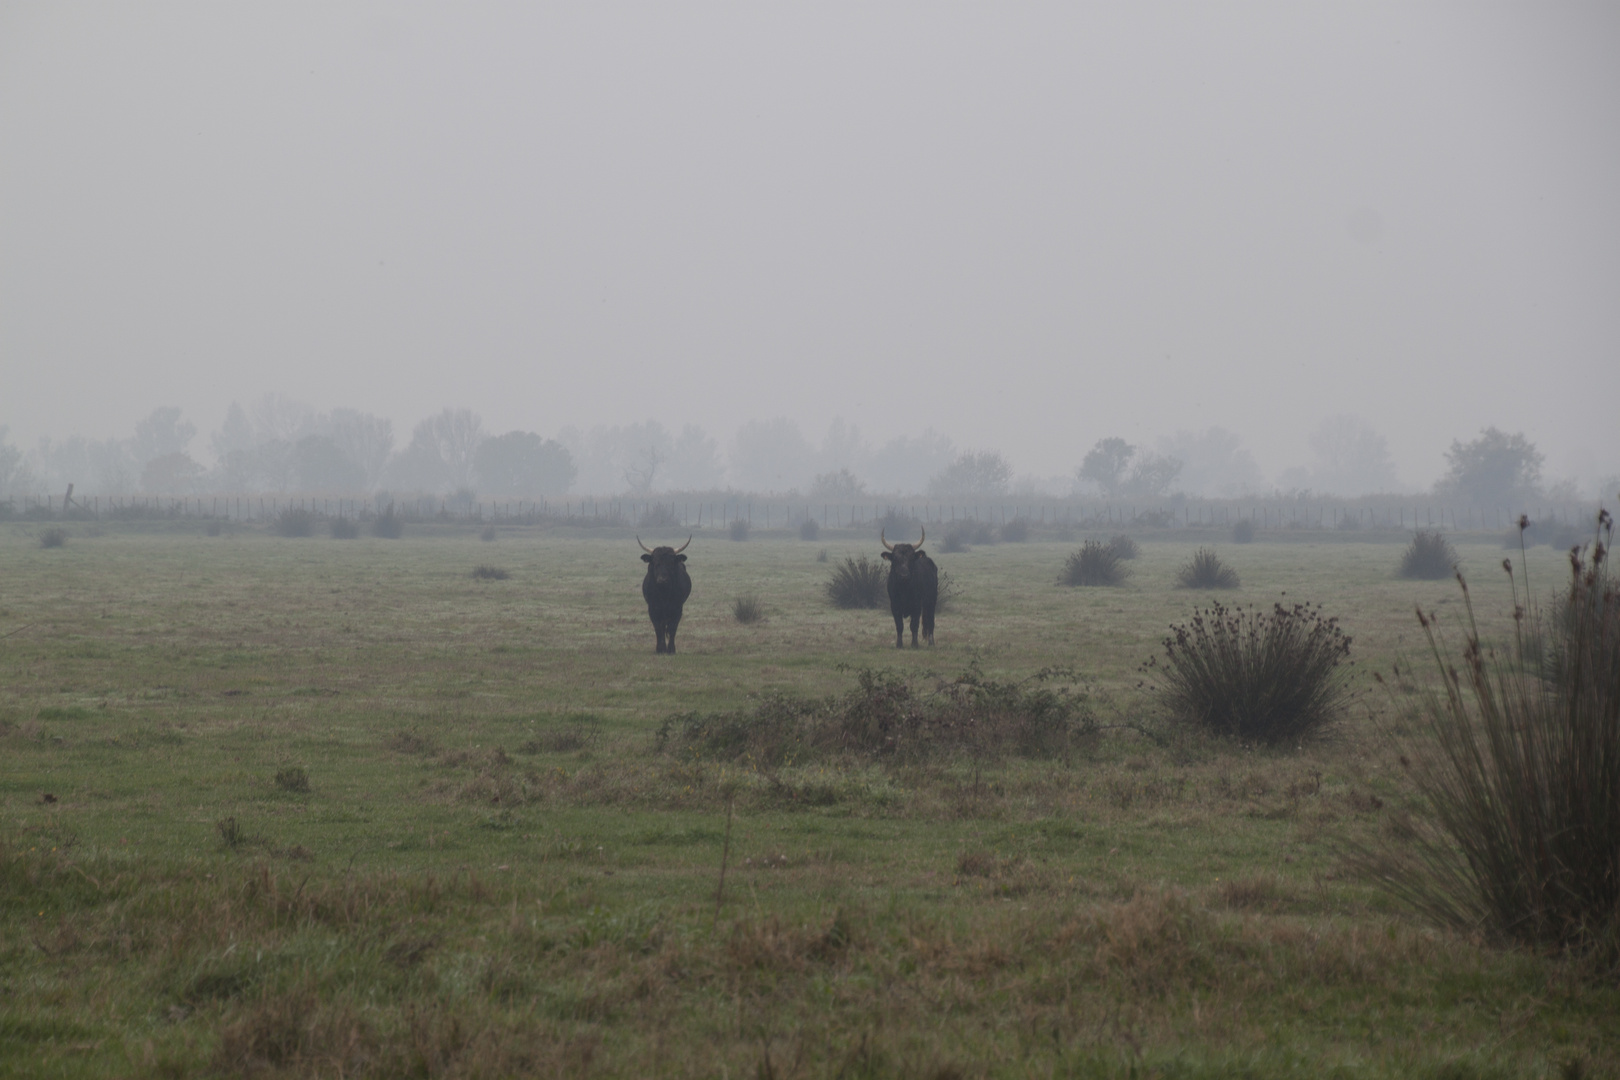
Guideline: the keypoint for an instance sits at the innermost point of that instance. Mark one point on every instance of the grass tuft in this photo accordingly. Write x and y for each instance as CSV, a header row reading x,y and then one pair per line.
x,y
292,778
53,538
747,609
738,529
1124,547
1096,563
1206,571
388,525
859,583
487,535
1275,677
490,573
1429,557
1243,531
808,529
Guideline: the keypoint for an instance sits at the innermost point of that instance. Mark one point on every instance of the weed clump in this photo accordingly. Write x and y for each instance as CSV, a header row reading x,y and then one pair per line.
x,y
1243,531
487,535
858,583
214,528
1275,677
490,573
1015,531
345,528
808,529
1096,563
1428,557
738,529
747,609
292,778
1124,547
659,516
53,538
388,525
294,521
1519,760
821,556
1206,571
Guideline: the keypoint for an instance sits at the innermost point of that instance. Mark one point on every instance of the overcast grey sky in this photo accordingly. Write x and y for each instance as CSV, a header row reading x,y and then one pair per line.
x,y
1026,225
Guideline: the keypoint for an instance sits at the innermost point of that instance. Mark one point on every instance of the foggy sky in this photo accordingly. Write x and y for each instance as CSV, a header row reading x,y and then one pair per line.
x,y
1027,226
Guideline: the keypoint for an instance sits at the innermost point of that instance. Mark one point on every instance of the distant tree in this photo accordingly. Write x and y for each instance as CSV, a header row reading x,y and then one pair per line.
x,y
321,465
366,440
1351,458
1105,464
694,462
1496,467
840,486
1214,462
95,466
160,434
771,455
171,474
440,453
14,473
906,464
235,435
983,475
522,463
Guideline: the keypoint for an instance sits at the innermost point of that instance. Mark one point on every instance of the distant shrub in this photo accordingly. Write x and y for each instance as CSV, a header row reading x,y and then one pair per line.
x,y
1124,547
292,778
955,542
738,529
214,528
490,573
231,834
1206,571
949,591
1243,531
487,535
821,556
808,529
53,538
1349,522
859,583
1015,531
388,525
294,521
1562,537
747,609
1096,563
659,516
1428,557
1277,677
902,523
1157,519
1065,534
345,528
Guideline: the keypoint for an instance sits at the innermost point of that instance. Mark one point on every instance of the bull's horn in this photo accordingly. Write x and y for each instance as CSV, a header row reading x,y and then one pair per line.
x,y
683,547
885,541
924,535
644,547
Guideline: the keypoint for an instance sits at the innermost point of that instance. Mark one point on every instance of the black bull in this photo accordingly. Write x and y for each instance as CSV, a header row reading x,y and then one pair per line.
x,y
913,589
665,588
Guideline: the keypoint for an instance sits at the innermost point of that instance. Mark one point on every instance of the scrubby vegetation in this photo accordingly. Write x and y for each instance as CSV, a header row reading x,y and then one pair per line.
x,y
1096,563
1243,531
388,525
1124,547
1015,531
859,583
808,529
1428,557
294,521
1277,677
738,529
747,609
1206,571
53,538
487,534
490,573
345,528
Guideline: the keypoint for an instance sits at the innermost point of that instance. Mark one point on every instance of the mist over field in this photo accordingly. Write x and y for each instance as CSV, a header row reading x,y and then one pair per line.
x,y
849,250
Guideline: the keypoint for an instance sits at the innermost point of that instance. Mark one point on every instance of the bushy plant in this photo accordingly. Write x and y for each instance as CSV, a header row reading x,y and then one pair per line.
x,y
1349,522
53,538
214,528
955,542
1124,547
738,529
490,573
292,778
1277,677
659,516
388,525
821,556
345,528
949,592
294,521
1243,531
1518,757
1428,557
1206,571
1015,531
487,534
747,609
1096,563
808,529
859,583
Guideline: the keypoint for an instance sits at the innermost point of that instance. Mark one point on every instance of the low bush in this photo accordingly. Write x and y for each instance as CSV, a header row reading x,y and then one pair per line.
x,y
1096,563
808,529
821,556
1519,762
949,591
1277,677
747,609
1124,547
292,778
1206,571
345,528
1015,531
214,528
490,573
659,516
487,535
53,538
1350,522
294,521
738,529
1243,531
1428,557
388,525
859,583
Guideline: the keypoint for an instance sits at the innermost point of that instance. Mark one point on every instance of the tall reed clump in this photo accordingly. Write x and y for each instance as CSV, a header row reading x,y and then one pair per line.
x,y
1124,546
1243,531
1518,755
1206,571
1277,677
747,608
1429,557
858,583
1096,563
738,529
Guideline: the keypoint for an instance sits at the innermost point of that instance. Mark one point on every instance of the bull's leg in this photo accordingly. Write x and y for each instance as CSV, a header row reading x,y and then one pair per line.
x,y
899,630
673,623
913,630
928,624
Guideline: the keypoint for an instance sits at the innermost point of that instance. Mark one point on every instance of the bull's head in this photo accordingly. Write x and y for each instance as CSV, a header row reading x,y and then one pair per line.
x,y
901,556
663,560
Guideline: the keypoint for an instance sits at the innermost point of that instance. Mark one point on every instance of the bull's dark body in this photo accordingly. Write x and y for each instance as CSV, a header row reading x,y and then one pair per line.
x,y
665,588
913,591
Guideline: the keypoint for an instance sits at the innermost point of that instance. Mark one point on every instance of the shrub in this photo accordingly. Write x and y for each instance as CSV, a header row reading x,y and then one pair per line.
x,y
949,591
214,528
808,529
1519,761
955,542
1158,519
1206,571
859,583
1016,531
294,521
738,529
747,609
1429,557
388,525
821,556
1124,547
659,516
1096,563
53,538
345,528
292,778
488,534
490,573
1243,531
1277,677
1349,522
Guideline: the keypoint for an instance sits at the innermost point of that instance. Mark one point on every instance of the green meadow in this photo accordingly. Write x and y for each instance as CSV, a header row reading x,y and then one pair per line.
x,y
310,807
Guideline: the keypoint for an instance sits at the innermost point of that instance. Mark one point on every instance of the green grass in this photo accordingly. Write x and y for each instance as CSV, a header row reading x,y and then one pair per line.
x,y
491,869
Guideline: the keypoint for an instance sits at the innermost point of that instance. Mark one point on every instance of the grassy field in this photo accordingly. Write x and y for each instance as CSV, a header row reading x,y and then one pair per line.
x,y
310,807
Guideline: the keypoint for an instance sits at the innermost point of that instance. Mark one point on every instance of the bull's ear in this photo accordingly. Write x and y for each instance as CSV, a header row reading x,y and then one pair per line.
x,y
680,558
889,555
919,552
646,558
